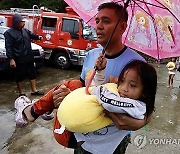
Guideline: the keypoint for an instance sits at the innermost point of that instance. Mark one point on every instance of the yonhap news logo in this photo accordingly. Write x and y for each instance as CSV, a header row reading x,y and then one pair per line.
x,y
141,141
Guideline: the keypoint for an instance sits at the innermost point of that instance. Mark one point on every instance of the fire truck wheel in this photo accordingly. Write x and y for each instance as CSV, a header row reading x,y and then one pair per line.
x,y
62,60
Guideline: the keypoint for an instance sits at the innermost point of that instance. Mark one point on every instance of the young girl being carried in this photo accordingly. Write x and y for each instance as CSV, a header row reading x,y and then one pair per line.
x,y
135,95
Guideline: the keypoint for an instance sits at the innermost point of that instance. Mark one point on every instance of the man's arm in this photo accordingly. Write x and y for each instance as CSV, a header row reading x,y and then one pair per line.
x,y
125,122
9,45
33,36
122,120
9,49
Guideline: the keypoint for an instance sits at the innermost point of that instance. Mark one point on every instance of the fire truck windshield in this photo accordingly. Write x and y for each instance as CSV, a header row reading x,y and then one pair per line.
x,y
49,23
89,32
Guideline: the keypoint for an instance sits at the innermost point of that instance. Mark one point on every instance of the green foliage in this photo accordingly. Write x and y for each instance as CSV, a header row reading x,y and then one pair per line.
x,y
55,5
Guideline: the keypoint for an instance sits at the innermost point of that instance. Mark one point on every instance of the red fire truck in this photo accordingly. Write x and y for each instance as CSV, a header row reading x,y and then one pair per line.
x,y
66,37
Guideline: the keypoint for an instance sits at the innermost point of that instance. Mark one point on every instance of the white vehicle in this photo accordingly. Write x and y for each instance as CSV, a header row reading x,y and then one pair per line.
x,y
4,62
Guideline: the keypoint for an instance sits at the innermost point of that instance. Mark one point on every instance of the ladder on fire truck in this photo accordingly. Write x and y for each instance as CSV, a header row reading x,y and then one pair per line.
x,y
32,11
35,11
30,15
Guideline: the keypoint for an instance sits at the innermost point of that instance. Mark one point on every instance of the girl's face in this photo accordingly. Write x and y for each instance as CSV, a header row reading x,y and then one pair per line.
x,y
130,85
174,59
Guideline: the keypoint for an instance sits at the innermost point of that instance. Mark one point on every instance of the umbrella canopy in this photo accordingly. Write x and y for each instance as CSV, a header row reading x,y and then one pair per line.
x,y
154,25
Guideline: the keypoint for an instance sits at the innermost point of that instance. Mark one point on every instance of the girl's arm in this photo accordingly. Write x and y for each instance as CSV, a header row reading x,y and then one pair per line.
x,y
100,65
99,78
116,104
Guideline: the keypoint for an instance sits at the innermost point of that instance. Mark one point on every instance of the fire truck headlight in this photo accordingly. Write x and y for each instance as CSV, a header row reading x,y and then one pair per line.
x,y
76,52
82,52
41,51
2,53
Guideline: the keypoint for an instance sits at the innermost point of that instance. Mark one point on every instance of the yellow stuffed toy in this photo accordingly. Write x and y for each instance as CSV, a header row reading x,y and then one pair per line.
x,y
80,112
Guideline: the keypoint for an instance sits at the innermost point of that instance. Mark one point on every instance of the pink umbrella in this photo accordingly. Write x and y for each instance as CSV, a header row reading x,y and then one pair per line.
x,y
154,25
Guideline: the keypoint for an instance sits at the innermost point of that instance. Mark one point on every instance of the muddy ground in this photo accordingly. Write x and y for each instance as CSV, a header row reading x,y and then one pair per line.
x,y
160,136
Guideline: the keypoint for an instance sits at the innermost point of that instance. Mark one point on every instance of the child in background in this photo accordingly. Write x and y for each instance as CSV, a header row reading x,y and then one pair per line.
x,y
171,66
178,65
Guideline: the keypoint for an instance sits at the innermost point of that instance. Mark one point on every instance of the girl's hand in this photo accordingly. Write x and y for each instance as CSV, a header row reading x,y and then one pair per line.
x,y
100,63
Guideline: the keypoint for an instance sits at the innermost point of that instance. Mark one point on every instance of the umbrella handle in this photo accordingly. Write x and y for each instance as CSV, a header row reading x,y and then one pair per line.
x,y
89,82
172,35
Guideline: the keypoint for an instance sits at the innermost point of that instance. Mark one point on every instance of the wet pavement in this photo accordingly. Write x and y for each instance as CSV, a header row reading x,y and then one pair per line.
x,y
160,136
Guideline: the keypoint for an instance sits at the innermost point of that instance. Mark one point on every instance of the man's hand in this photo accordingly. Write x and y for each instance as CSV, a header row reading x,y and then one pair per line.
x,y
59,94
12,63
40,37
125,122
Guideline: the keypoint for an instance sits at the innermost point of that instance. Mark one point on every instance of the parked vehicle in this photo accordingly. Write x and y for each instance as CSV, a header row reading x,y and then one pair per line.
x,y
66,37
4,62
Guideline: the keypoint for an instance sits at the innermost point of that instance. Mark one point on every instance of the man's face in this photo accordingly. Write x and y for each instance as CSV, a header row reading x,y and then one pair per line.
x,y
21,24
106,20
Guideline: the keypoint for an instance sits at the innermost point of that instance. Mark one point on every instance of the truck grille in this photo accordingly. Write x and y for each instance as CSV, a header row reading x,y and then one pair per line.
x,y
36,53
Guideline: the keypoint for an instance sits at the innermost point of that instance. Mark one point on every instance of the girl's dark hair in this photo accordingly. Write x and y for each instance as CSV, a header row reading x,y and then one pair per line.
x,y
148,76
120,11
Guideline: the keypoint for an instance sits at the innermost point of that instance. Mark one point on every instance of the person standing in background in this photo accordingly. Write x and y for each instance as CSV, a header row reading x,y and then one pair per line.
x,y
178,65
19,52
171,66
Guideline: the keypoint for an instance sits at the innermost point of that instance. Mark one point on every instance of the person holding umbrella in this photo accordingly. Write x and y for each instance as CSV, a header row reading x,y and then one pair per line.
x,y
118,56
